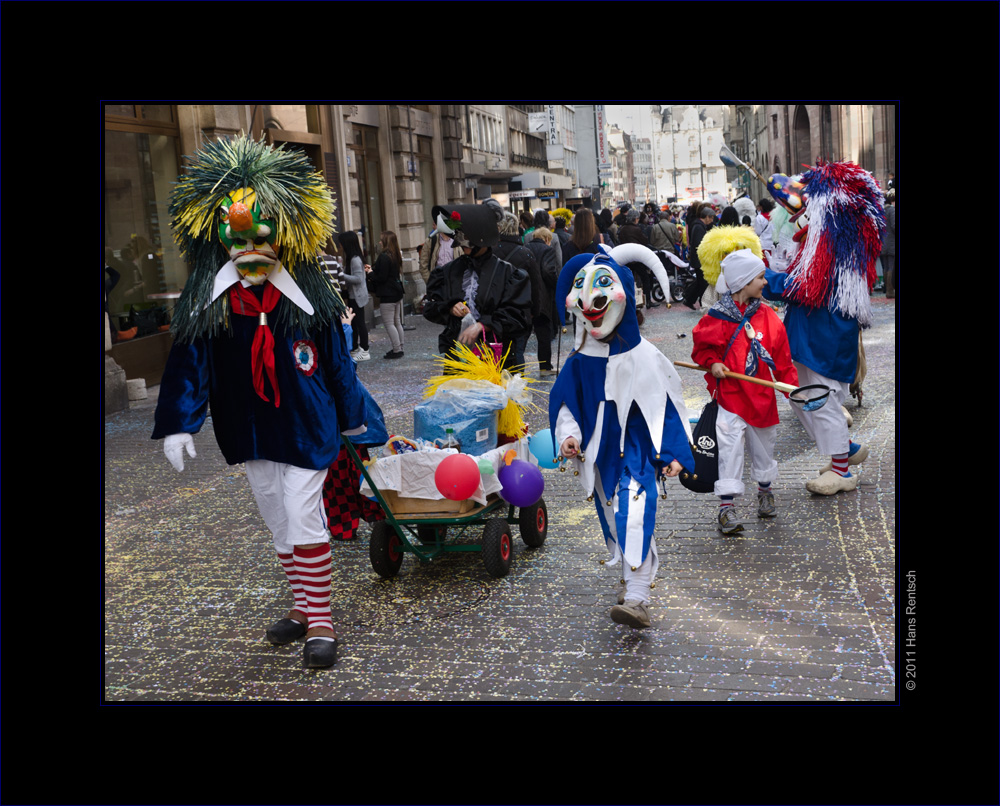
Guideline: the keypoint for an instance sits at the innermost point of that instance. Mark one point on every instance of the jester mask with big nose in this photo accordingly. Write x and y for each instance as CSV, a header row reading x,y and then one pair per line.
x,y
600,291
248,235
598,297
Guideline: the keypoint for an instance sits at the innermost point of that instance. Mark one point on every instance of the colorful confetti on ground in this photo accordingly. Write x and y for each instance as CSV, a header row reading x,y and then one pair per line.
x,y
800,608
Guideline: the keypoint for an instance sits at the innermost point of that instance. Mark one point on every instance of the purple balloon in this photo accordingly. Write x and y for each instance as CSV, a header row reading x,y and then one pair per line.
x,y
522,483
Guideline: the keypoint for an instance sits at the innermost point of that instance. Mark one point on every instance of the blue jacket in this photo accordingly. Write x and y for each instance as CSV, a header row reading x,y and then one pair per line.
x,y
821,339
320,394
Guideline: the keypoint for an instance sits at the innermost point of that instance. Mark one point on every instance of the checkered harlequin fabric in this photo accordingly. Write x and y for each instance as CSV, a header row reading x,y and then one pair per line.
x,y
344,504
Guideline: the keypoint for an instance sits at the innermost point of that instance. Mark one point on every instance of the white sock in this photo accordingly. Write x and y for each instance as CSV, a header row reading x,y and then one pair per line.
x,y
637,582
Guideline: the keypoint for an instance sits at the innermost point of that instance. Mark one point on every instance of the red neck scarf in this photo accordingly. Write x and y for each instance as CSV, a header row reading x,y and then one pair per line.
x,y
245,302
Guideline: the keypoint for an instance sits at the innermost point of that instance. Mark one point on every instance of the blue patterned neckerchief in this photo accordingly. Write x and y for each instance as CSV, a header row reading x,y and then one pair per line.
x,y
726,309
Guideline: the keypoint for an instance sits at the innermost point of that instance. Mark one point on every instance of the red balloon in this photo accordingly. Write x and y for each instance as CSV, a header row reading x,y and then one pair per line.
x,y
457,477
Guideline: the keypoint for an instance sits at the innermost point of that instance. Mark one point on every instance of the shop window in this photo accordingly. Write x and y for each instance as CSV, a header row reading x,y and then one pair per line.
x,y
147,271
368,171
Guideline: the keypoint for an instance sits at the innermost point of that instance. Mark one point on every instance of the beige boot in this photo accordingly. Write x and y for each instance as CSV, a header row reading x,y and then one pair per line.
x,y
831,483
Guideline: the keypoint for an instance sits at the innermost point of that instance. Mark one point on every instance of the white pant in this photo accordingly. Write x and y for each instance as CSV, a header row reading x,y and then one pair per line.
x,y
290,500
827,426
730,432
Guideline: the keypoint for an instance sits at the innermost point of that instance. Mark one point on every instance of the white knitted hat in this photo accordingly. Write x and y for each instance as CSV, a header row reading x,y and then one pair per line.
x,y
738,269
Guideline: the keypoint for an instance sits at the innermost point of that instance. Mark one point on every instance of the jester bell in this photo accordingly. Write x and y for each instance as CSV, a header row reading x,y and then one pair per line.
x,y
250,238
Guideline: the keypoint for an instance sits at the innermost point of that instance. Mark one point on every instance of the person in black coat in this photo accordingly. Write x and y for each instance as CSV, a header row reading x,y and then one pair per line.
x,y
519,256
478,296
606,227
701,225
562,233
387,285
545,317
631,232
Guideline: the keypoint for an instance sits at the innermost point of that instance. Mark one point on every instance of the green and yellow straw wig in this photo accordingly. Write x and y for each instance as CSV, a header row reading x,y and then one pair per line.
x,y
289,191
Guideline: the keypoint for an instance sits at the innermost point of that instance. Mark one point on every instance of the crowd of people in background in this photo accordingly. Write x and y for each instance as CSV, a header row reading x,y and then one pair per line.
x,y
537,243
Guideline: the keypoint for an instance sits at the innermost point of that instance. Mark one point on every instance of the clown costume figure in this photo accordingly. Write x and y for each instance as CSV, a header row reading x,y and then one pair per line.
x,y
827,289
257,337
743,335
618,415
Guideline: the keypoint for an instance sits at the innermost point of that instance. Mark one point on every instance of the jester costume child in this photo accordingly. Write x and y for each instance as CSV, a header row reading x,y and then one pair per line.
x,y
827,287
257,338
618,414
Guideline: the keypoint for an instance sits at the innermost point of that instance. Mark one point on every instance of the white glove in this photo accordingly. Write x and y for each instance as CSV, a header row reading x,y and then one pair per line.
x,y
174,446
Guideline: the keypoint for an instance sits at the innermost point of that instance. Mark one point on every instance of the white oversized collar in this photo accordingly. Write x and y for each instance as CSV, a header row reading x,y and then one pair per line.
x,y
279,277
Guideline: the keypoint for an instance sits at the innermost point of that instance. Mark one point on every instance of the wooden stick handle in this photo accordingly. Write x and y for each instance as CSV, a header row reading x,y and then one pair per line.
x,y
787,388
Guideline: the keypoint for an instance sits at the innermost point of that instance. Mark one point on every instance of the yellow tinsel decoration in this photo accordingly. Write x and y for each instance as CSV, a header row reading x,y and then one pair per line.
x,y
719,242
564,213
462,362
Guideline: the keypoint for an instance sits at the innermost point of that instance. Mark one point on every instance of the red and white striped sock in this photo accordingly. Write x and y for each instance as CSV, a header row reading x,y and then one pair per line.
x,y
299,595
314,568
839,462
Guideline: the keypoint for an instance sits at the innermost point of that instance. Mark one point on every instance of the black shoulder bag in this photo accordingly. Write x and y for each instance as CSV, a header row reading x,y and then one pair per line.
x,y
705,446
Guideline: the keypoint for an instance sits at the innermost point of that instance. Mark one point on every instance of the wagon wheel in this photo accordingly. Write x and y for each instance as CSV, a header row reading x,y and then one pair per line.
x,y
533,523
498,547
431,534
385,550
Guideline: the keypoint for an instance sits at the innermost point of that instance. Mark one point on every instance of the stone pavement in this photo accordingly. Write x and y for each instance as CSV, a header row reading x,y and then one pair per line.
x,y
800,608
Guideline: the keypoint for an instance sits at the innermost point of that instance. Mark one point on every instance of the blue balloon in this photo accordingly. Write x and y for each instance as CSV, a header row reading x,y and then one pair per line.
x,y
543,447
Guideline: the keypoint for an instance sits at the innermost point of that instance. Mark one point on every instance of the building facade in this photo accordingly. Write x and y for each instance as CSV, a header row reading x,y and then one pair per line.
x,y
386,166
747,137
802,134
788,139
686,146
643,177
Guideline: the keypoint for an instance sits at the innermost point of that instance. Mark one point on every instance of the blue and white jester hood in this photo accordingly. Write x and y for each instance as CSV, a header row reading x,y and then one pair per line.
x,y
623,394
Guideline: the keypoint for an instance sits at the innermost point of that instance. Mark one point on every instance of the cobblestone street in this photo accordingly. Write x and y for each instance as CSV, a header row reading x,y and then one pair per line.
x,y
798,608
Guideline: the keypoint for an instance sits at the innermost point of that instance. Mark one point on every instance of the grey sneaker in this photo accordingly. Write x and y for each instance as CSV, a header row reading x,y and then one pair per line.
x,y
729,521
361,355
632,614
765,505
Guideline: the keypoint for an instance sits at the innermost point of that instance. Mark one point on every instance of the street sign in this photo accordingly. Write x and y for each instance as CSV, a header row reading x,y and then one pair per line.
x,y
602,144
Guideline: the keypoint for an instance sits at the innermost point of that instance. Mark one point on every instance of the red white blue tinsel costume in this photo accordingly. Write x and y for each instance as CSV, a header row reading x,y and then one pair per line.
x,y
835,265
827,288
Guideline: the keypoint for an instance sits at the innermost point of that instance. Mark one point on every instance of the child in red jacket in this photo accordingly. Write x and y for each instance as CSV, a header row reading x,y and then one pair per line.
x,y
741,334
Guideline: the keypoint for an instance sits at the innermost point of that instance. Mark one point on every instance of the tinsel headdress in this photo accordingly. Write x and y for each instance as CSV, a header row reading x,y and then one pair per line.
x,y
719,242
289,191
835,264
